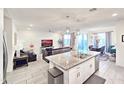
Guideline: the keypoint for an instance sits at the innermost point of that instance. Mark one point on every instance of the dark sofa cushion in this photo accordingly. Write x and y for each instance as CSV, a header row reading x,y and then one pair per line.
x,y
31,55
55,51
61,50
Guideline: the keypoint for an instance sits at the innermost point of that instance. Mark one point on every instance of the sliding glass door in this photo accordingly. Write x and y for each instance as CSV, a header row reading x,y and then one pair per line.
x,y
99,40
102,39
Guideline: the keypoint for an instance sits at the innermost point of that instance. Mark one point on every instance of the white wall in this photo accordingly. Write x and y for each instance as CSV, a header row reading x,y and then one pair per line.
x,y
1,45
34,37
120,44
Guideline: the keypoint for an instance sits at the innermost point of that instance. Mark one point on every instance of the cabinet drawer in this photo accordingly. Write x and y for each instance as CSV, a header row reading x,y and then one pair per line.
x,y
74,69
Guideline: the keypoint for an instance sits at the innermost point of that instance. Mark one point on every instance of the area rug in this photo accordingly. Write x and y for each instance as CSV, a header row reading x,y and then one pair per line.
x,y
94,79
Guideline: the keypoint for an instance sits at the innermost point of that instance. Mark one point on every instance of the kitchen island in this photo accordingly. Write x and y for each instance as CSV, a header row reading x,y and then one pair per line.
x,y
76,68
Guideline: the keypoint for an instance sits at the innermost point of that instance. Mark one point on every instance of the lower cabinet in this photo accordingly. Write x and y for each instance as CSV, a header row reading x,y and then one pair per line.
x,y
89,68
82,72
75,75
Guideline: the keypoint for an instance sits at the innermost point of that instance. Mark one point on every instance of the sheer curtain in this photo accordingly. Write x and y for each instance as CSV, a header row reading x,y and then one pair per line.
x,y
67,40
108,40
82,43
102,39
72,41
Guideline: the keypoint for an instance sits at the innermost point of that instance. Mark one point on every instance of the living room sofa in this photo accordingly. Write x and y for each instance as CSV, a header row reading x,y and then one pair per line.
x,y
31,56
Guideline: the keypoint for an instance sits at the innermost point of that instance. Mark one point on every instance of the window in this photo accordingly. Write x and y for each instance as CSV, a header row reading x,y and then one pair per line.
x,y
67,40
99,40
82,43
102,38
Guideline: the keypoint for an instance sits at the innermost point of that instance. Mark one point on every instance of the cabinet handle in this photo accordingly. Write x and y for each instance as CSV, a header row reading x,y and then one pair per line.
x,y
78,74
90,65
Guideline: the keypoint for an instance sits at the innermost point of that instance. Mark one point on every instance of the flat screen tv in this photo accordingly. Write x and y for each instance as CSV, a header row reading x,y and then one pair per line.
x,y
46,43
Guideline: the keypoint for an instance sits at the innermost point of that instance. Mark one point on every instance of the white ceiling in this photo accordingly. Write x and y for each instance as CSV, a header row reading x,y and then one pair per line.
x,y
55,18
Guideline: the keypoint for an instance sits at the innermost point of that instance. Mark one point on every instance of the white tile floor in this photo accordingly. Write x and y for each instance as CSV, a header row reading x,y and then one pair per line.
x,y
36,73
111,72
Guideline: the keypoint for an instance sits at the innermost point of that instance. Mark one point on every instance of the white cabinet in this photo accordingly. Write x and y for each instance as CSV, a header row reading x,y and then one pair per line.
x,y
80,73
75,75
89,68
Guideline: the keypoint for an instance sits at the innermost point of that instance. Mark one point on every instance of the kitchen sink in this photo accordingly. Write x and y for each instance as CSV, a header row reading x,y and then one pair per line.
x,y
82,56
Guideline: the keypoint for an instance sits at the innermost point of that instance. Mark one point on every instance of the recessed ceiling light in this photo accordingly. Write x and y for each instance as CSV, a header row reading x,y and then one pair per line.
x,y
78,33
31,25
114,14
67,30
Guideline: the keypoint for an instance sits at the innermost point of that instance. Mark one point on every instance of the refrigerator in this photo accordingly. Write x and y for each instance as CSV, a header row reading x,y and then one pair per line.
x,y
5,60
1,46
3,51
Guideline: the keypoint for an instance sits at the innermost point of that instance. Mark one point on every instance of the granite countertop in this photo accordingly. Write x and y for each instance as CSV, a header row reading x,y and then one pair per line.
x,y
69,59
